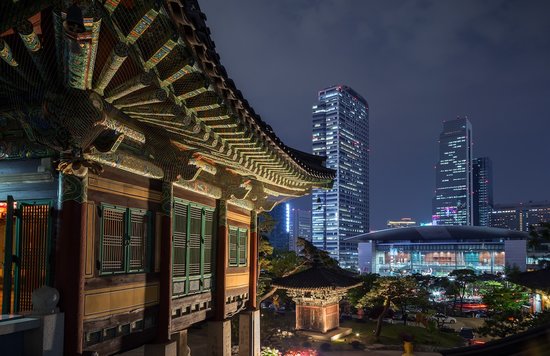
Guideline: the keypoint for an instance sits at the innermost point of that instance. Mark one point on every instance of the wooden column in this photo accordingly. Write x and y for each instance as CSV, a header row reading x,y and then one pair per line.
x,y
165,295
221,260
253,284
70,259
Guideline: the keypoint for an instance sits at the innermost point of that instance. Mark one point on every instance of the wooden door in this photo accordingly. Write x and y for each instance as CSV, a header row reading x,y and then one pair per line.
x,y
32,258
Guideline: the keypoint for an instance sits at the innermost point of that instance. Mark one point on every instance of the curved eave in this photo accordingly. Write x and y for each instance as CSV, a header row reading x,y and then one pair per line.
x,y
440,233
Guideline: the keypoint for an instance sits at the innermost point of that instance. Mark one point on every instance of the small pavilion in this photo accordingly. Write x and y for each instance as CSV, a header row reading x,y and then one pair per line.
x,y
317,292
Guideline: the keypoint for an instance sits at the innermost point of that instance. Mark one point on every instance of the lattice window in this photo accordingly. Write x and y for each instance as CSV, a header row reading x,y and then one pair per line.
x,y
194,228
195,231
209,226
243,247
180,240
139,238
112,244
233,246
125,240
238,246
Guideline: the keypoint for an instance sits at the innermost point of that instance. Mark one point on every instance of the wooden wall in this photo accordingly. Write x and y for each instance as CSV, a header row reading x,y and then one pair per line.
x,y
121,311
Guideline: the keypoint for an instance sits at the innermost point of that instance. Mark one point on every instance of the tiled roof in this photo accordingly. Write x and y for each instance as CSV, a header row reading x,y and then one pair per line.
x,y
318,277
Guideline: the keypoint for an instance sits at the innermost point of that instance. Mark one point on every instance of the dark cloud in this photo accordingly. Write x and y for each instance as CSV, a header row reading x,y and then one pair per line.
x,y
417,63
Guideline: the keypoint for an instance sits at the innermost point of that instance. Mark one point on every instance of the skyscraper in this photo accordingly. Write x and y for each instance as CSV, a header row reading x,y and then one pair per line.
x,y
483,190
280,234
453,203
341,133
300,226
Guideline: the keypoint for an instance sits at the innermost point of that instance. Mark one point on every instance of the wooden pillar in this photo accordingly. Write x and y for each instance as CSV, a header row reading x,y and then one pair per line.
x,y
70,259
221,260
253,283
165,305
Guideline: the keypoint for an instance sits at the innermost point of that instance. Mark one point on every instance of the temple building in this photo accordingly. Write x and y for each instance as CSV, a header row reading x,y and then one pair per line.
x,y
132,171
317,292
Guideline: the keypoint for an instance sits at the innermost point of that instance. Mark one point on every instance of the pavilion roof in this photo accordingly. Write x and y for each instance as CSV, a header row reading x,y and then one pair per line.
x,y
146,74
318,277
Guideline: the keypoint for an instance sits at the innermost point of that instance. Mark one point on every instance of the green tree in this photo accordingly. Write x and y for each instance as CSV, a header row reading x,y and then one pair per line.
x,y
392,291
355,294
462,277
501,298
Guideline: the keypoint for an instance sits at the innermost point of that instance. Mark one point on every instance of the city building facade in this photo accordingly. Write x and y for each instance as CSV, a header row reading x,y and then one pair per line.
x,y
483,191
341,133
438,250
299,226
520,216
280,233
403,222
453,203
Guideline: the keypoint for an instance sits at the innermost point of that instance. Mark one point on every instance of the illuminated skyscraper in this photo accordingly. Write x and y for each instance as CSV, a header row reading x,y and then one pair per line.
x,y
300,226
483,190
341,133
453,203
280,233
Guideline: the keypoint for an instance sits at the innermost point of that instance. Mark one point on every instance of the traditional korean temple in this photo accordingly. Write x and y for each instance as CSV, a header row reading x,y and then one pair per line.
x,y
317,292
132,171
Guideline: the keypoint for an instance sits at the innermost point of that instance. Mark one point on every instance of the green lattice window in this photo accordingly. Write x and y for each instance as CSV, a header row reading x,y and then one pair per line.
x,y
125,240
192,257
238,246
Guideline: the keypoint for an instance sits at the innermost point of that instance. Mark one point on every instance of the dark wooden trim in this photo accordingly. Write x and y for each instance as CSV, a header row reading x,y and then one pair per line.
x,y
192,299
131,178
165,293
221,261
69,278
193,197
236,292
119,319
124,343
185,321
253,278
116,280
115,199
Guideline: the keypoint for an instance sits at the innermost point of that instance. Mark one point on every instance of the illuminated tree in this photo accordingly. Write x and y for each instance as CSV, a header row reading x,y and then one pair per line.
x,y
462,277
394,292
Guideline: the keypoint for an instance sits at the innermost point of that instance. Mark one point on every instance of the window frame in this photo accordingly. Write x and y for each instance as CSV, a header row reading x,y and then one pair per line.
x,y
187,278
246,237
126,239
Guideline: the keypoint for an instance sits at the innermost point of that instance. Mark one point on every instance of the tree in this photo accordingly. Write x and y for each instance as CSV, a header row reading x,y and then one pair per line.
x,y
355,294
506,299
392,291
462,278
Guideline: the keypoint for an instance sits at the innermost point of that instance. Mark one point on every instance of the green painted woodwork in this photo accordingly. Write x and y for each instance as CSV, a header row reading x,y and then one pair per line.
x,y
125,240
192,255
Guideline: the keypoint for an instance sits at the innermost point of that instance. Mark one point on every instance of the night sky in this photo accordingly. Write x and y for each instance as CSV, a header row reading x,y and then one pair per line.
x,y
417,63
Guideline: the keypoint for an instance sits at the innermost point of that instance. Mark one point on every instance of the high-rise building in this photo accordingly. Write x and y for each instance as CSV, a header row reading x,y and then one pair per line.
x,y
341,133
521,216
483,190
300,226
280,234
404,222
453,203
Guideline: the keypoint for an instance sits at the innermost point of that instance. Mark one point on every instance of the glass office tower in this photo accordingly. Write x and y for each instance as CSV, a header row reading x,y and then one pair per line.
x,y
483,190
453,201
341,133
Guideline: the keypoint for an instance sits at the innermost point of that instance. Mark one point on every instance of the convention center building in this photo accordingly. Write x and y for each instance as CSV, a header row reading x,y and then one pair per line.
x,y
438,250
